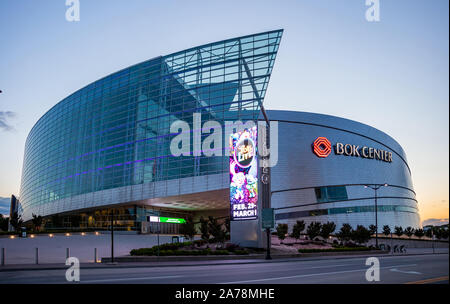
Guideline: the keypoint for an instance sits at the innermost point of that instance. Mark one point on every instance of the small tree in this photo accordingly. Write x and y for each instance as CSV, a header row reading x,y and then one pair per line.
x,y
444,233
227,228
282,229
409,231
313,230
16,221
345,234
37,222
386,230
419,233
327,229
398,231
204,229
429,233
437,232
297,229
215,229
361,234
372,229
3,223
187,229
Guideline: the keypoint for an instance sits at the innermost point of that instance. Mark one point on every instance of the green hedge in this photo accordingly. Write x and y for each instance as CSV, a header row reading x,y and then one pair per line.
x,y
340,249
168,252
175,249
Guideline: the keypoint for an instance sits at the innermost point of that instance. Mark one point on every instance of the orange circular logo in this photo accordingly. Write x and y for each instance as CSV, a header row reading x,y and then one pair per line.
x,y
322,147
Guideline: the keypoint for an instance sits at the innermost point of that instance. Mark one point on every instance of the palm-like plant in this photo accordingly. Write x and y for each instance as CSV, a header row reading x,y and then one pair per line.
x,y
187,229
419,233
204,229
16,221
398,231
372,229
345,234
37,222
409,231
327,229
386,230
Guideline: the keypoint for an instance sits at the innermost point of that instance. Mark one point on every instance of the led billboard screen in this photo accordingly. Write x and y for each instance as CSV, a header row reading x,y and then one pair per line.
x,y
244,175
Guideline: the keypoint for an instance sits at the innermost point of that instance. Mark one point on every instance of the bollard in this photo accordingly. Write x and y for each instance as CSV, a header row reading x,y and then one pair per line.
x,y
36,256
95,255
3,256
67,253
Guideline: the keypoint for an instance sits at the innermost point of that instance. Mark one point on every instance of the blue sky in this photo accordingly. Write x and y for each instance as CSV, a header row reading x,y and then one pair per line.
x,y
391,74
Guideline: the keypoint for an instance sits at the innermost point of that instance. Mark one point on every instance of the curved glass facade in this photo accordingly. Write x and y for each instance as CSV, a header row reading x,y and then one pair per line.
x,y
115,132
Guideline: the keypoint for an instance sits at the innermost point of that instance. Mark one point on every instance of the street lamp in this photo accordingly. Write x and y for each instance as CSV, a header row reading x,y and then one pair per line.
x,y
375,187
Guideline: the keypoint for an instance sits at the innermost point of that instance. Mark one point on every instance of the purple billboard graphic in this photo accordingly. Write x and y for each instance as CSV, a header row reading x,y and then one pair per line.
x,y
243,175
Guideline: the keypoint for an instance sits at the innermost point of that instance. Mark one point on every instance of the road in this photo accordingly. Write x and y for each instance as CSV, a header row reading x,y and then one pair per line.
x,y
350,270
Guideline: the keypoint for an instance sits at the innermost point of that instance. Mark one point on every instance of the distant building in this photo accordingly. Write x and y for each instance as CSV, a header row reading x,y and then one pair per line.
x,y
107,146
14,207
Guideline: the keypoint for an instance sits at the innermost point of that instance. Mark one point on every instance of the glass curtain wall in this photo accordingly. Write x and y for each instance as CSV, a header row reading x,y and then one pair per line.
x,y
116,131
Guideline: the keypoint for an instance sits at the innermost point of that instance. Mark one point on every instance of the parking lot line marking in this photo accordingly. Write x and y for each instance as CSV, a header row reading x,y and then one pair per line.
x,y
427,281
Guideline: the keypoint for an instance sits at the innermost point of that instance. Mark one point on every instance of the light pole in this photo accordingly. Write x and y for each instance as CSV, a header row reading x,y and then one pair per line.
x,y
375,187
112,236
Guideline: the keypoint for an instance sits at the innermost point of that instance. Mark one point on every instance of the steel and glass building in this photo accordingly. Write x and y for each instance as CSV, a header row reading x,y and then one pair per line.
x,y
327,166
108,145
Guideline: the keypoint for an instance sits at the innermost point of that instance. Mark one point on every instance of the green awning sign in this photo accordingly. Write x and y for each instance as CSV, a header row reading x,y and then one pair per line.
x,y
162,219
171,220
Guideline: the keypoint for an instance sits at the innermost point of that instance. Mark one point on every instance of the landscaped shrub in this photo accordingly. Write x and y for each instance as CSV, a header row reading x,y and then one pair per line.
x,y
282,230
419,233
386,230
241,252
177,252
361,234
231,247
163,247
398,231
313,230
200,243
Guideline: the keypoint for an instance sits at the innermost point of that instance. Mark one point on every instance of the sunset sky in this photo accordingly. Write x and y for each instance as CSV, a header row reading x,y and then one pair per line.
x,y
392,74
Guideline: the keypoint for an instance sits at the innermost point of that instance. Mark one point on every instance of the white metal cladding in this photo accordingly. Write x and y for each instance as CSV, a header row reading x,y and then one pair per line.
x,y
299,171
